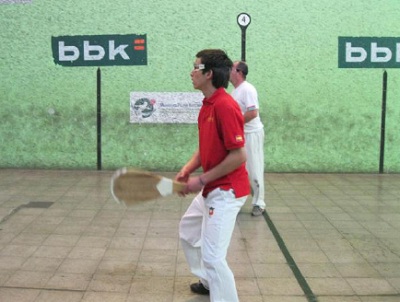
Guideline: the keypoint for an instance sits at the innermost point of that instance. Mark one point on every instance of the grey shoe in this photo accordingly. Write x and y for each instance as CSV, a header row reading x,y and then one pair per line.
x,y
257,211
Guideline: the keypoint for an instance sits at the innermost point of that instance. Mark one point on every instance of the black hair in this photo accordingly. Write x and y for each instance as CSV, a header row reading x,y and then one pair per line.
x,y
218,61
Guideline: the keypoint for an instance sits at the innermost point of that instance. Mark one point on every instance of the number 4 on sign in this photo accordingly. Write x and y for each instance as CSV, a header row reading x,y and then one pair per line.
x,y
243,20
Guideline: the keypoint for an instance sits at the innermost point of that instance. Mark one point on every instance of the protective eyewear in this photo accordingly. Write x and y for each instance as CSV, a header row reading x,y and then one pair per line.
x,y
198,66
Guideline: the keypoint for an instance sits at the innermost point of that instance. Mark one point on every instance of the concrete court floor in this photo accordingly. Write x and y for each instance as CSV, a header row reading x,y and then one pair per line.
x,y
324,237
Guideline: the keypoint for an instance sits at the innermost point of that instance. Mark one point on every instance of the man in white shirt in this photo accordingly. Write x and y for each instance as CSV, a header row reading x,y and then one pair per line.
x,y
246,95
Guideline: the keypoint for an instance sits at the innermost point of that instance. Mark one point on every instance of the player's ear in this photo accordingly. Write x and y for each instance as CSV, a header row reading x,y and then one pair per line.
x,y
209,74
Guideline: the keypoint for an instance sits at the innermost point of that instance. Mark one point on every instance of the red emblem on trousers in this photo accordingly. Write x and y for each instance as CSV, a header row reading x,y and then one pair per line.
x,y
211,211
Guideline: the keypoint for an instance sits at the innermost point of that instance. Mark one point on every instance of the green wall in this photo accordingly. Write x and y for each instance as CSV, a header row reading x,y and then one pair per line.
x,y
318,118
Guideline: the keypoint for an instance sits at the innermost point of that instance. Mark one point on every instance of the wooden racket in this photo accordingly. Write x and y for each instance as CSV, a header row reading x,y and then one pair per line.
x,y
130,186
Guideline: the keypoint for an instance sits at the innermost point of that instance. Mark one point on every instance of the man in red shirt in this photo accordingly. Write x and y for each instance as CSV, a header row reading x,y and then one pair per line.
x,y
206,228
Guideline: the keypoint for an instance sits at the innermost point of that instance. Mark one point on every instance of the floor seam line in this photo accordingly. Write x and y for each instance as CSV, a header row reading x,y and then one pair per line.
x,y
292,264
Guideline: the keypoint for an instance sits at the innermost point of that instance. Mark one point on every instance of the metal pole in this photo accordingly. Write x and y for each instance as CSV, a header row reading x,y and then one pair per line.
x,y
243,44
98,119
383,123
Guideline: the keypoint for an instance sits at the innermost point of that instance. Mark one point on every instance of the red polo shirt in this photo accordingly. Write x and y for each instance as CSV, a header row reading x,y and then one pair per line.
x,y
221,125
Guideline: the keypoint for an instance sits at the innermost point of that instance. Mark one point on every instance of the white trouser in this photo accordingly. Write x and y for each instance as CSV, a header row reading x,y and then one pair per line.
x,y
255,165
205,231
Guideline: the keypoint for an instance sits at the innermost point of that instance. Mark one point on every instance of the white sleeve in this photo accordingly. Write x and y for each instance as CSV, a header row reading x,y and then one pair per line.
x,y
250,98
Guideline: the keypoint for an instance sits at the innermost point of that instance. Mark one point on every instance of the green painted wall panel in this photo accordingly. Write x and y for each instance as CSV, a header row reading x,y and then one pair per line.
x,y
318,118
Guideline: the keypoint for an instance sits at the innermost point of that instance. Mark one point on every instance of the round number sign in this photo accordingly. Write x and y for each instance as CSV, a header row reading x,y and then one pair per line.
x,y
243,20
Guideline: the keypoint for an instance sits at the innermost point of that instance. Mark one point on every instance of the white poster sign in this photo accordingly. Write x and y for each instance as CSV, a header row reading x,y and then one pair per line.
x,y
165,107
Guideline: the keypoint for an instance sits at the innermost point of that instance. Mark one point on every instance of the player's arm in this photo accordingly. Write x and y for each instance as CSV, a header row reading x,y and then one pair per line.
x,y
192,165
230,163
250,114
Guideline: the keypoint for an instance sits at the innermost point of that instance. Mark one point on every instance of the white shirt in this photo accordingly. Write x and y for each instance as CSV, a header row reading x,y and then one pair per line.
x,y
247,97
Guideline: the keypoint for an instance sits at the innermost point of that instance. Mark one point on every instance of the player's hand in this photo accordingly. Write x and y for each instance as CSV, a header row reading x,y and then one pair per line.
x,y
182,176
193,185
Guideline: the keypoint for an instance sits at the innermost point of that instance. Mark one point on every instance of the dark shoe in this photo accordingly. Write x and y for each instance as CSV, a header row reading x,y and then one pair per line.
x,y
199,288
257,211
